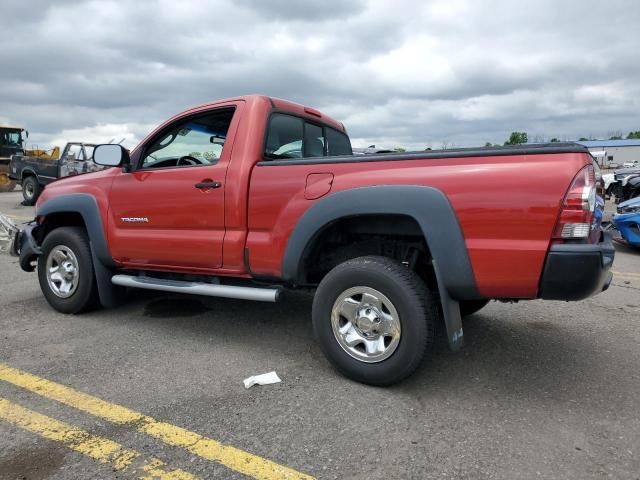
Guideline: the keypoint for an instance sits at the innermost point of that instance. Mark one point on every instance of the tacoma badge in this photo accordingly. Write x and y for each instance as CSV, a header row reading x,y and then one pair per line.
x,y
135,219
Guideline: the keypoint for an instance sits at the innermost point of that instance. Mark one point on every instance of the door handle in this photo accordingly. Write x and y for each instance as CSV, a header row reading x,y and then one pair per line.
x,y
206,184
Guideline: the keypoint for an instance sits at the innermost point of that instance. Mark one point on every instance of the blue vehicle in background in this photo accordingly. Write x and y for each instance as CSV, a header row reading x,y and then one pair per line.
x,y
627,222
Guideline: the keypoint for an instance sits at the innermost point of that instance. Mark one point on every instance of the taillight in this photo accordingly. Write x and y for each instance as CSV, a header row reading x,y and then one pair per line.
x,y
578,207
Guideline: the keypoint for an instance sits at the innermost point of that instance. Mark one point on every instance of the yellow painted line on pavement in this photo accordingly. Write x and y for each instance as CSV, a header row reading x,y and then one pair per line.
x,y
98,448
626,274
207,448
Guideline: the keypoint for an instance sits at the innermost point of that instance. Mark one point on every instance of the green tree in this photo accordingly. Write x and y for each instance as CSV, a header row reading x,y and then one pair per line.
x,y
488,144
615,137
517,138
634,135
554,140
583,139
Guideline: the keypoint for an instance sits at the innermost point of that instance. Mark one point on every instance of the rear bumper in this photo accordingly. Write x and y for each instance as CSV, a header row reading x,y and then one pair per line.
x,y
577,271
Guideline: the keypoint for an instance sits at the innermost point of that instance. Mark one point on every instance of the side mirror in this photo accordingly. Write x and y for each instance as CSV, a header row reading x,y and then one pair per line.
x,y
110,155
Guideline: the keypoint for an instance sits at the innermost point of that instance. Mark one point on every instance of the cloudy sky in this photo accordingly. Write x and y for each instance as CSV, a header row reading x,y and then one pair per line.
x,y
401,73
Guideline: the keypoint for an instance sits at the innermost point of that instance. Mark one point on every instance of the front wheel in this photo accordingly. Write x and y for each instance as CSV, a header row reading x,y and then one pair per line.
x,y
65,270
374,319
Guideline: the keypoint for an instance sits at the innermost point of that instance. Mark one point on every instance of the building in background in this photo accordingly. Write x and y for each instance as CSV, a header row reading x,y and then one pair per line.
x,y
613,153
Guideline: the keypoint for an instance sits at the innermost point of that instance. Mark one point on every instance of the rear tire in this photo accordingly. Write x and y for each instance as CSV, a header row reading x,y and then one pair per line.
x,y
65,270
30,190
374,319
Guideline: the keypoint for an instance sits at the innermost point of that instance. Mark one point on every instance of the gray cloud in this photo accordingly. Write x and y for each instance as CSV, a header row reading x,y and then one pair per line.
x,y
308,10
409,73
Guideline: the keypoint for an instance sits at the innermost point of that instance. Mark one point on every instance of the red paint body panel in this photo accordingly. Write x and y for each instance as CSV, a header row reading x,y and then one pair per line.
x,y
507,206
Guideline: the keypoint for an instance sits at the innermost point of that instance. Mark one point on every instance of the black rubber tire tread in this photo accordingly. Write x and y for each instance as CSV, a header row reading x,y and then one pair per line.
x,y
86,295
36,190
469,307
418,312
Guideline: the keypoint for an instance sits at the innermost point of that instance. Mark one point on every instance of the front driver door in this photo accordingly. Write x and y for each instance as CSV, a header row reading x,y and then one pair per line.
x,y
168,213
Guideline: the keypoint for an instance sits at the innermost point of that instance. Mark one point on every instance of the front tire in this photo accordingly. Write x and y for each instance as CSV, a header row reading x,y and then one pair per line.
x,y
30,190
374,319
65,270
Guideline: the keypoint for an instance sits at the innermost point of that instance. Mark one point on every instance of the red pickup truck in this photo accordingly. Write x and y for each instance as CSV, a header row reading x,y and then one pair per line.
x,y
243,197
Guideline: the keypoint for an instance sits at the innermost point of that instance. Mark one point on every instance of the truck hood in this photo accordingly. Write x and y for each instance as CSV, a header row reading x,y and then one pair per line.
x,y
82,178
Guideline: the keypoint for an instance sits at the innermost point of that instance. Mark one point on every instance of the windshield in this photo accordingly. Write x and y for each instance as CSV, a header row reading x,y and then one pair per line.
x,y
11,138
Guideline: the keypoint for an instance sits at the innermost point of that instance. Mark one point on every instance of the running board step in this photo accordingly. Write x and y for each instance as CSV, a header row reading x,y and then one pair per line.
x,y
198,288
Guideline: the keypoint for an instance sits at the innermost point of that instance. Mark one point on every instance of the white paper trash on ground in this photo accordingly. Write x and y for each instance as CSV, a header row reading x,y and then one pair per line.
x,y
264,379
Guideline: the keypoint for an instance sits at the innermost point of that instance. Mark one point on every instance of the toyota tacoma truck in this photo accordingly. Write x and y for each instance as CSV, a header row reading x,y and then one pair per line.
x,y
245,197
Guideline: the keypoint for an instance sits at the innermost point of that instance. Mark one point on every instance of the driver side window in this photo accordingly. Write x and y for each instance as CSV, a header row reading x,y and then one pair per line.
x,y
191,142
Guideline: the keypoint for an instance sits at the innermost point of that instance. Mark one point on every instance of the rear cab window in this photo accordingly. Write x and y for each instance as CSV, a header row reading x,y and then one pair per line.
x,y
291,137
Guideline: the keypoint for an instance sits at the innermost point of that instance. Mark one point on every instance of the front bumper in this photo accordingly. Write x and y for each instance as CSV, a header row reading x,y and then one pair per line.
x,y
629,226
577,271
19,242
9,233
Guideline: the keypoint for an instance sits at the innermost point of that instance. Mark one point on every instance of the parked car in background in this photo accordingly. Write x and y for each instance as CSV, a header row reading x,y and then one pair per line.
x,y
609,181
371,149
243,197
625,184
35,171
627,222
633,164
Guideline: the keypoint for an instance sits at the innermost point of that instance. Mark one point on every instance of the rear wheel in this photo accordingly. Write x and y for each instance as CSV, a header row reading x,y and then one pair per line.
x,y
374,319
30,190
65,270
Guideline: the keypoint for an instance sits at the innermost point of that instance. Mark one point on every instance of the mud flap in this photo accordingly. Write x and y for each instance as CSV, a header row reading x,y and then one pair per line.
x,y
110,295
451,313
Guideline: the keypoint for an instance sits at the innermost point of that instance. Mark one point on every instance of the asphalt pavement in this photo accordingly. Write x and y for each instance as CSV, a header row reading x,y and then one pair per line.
x,y
154,387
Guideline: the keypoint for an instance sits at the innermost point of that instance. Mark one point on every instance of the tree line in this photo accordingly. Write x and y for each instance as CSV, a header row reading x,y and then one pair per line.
x,y
518,138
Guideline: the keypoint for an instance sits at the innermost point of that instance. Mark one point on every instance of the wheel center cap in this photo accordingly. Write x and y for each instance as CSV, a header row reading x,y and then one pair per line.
x,y
365,324
367,320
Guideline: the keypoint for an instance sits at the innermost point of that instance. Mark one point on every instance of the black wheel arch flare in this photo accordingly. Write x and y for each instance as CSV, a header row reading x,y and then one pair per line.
x,y
428,206
87,206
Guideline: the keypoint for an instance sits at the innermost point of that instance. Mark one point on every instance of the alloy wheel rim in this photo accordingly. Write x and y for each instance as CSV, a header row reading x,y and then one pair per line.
x,y
366,324
63,273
